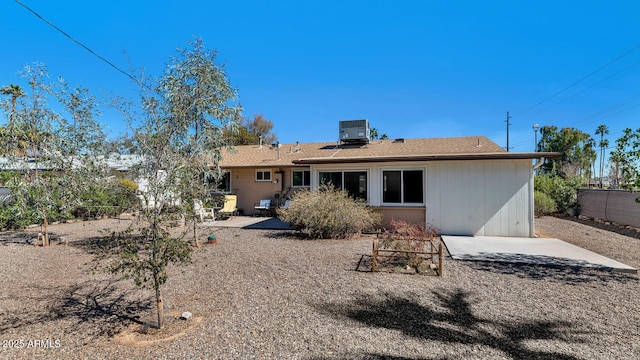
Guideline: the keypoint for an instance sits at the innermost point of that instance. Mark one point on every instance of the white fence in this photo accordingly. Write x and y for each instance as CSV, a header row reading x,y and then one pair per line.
x,y
618,206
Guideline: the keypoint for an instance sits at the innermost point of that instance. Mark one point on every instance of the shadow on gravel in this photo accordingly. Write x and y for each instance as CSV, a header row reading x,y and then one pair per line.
x,y
18,238
92,245
27,238
285,234
371,356
452,320
89,309
560,273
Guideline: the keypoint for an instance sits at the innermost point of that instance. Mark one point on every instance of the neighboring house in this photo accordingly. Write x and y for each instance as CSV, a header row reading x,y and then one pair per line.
x,y
115,162
462,185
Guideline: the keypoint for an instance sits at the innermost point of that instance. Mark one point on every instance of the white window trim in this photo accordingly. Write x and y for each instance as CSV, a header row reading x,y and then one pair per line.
x,y
263,171
403,169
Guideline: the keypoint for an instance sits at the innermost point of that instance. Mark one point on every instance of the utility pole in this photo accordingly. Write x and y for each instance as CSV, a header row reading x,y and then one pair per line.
x,y
508,124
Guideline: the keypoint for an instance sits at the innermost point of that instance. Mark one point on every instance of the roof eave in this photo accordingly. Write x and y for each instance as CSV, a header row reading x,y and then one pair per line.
x,y
435,157
253,166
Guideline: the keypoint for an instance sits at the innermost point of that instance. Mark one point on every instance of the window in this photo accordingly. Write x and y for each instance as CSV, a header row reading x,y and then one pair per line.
x,y
333,178
301,178
355,182
402,186
263,175
224,184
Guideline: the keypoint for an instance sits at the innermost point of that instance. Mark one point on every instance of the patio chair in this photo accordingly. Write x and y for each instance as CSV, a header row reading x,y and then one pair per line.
x,y
263,206
230,206
201,211
286,204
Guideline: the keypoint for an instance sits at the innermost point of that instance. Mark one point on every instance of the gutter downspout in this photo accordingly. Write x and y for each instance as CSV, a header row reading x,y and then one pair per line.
x,y
539,163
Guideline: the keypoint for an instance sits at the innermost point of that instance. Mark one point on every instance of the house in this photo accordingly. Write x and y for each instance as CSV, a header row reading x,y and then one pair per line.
x,y
462,185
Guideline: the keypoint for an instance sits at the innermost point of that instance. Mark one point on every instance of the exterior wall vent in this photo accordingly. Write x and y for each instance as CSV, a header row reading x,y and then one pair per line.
x,y
355,131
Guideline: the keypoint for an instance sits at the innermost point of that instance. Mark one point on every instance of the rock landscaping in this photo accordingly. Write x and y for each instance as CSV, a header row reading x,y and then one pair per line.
x,y
265,294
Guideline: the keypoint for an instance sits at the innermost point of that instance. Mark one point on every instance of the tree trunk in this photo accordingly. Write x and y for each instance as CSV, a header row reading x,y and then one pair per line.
x,y
45,231
195,232
159,303
13,109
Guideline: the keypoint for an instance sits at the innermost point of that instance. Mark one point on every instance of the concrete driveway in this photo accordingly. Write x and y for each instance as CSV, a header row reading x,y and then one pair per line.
x,y
537,251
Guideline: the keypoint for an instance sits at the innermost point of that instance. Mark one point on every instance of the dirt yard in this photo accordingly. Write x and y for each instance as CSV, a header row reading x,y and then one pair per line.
x,y
259,294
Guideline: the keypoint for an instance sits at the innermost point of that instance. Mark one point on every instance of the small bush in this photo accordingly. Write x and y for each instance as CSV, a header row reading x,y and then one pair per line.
x,y
7,177
411,238
130,184
328,213
24,206
544,204
563,191
543,184
124,194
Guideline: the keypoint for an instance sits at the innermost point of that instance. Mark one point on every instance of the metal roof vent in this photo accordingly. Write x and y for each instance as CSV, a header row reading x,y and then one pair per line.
x,y
399,140
355,131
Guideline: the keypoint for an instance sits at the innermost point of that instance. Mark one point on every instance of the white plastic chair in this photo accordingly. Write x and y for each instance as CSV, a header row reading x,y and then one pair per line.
x,y
201,211
263,206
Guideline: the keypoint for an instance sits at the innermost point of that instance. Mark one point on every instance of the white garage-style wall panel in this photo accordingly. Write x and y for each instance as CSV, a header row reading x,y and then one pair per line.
x,y
484,198
474,197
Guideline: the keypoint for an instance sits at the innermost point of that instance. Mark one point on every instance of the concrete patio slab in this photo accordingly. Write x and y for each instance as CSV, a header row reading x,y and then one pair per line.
x,y
249,222
537,251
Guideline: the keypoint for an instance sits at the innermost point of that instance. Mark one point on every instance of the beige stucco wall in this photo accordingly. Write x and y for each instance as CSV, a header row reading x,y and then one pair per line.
x,y
410,215
250,191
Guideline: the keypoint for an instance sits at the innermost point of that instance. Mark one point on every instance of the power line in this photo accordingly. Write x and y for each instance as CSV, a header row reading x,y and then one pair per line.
x,y
589,87
609,109
81,44
580,80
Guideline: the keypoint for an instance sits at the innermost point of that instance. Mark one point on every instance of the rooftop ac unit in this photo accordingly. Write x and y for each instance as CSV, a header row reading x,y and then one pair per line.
x,y
354,131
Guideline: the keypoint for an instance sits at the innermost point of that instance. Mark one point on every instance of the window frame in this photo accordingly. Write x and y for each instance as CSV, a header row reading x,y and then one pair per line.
x,y
224,184
308,178
402,186
263,172
367,173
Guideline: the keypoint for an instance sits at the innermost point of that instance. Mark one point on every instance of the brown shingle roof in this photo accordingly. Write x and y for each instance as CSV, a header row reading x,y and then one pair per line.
x,y
378,150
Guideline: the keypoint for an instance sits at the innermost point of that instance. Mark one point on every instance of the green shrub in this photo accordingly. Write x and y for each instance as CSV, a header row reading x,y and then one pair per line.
x,y
563,191
328,213
7,177
543,184
544,204
13,216
106,198
24,207
64,201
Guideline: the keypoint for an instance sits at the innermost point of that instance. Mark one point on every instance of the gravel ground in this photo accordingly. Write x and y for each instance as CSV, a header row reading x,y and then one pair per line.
x,y
266,295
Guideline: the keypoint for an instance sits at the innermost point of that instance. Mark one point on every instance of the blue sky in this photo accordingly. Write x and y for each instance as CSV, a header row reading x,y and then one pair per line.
x,y
413,68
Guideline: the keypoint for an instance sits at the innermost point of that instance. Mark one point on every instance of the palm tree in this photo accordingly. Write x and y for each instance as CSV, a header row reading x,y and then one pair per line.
x,y
15,91
602,130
